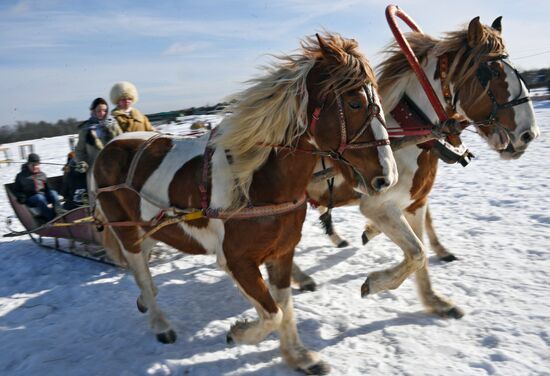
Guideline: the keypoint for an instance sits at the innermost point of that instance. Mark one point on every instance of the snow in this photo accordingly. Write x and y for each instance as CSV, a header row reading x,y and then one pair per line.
x,y
61,314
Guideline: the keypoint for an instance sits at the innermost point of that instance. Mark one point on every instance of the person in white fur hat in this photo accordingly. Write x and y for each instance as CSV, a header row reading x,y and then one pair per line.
x,y
124,94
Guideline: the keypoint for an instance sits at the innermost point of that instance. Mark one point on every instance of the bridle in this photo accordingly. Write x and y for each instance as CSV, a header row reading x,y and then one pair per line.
x,y
373,111
485,73
338,155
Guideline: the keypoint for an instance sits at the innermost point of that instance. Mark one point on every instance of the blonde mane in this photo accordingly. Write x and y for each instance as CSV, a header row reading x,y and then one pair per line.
x,y
395,70
273,110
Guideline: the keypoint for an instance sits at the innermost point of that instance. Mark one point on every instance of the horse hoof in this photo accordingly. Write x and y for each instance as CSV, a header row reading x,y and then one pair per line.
x,y
450,257
141,307
321,368
229,339
364,238
454,313
365,290
167,337
342,244
309,286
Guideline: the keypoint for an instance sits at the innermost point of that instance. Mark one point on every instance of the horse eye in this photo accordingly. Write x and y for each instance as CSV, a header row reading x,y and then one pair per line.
x,y
355,105
495,73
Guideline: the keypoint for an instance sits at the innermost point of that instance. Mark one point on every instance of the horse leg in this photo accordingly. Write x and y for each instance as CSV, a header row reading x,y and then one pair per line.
x,y
304,281
138,264
433,302
442,253
390,220
325,216
247,276
292,349
370,232
146,247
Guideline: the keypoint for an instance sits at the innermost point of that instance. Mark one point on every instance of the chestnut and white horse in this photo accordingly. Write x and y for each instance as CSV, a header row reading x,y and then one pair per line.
x,y
250,183
483,88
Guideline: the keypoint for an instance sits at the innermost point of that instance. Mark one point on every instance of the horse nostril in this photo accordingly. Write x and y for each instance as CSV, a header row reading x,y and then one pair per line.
x,y
379,183
526,137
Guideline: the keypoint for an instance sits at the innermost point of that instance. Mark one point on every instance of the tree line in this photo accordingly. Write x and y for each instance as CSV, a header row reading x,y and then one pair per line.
x,y
30,130
537,78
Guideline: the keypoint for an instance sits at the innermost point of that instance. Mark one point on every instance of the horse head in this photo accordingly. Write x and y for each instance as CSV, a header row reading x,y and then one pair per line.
x,y
494,94
347,121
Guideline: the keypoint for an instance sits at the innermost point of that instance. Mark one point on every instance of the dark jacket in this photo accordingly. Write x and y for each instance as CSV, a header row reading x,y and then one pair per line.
x,y
28,184
74,185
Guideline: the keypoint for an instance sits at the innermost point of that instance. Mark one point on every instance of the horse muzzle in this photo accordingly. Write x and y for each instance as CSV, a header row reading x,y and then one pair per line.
x,y
515,151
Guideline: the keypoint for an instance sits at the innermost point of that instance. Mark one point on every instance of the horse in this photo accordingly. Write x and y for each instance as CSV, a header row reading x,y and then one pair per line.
x,y
246,183
481,87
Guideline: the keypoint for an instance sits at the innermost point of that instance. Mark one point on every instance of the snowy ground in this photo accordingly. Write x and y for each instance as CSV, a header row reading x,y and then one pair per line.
x,y
60,314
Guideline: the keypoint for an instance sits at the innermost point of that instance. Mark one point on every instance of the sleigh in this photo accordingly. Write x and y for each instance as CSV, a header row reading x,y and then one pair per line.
x,y
65,233
72,232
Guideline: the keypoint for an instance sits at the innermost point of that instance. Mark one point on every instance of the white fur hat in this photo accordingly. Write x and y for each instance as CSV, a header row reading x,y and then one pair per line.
x,y
124,89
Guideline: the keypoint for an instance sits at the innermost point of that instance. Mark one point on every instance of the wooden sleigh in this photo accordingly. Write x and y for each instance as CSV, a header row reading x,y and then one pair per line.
x,y
72,232
64,233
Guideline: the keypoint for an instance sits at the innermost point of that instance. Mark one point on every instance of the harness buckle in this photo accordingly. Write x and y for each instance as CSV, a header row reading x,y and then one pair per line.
x,y
334,155
374,109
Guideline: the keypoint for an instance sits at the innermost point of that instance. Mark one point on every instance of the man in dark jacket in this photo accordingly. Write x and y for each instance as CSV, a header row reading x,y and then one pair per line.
x,y
31,188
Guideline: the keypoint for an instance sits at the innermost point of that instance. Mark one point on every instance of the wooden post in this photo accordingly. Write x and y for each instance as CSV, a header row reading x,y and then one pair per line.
x,y
5,156
25,150
72,142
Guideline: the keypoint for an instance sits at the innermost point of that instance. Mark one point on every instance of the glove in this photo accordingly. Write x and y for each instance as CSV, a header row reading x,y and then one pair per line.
x,y
82,167
21,199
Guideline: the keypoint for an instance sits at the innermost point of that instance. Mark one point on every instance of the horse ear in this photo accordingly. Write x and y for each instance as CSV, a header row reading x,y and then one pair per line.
x,y
497,24
475,31
326,49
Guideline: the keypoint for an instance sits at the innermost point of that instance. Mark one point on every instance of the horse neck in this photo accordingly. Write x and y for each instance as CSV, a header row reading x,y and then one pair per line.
x,y
283,177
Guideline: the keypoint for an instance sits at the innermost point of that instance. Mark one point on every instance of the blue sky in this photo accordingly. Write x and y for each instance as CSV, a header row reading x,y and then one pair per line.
x,y
57,56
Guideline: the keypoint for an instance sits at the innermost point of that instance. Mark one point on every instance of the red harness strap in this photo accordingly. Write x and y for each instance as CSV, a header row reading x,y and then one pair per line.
x,y
412,120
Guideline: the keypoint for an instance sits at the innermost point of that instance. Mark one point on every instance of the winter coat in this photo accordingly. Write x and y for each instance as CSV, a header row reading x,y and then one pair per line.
x,y
28,184
93,135
135,121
